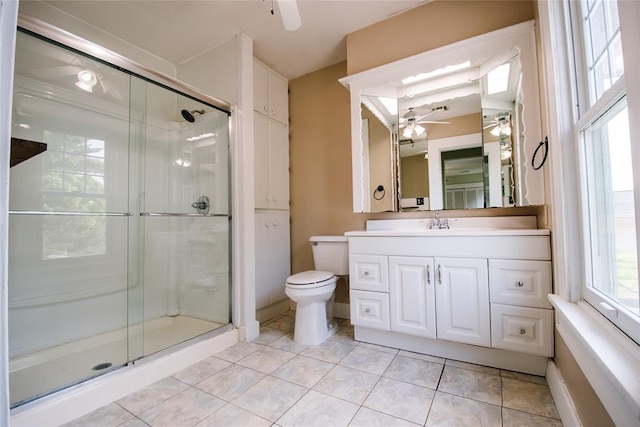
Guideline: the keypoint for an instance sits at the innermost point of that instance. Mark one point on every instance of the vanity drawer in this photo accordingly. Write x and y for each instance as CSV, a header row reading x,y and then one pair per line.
x,y
522,329
369,273
369,309
520,282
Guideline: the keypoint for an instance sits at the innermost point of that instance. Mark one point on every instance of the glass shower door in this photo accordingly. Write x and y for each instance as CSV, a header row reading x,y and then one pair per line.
x,y
185,226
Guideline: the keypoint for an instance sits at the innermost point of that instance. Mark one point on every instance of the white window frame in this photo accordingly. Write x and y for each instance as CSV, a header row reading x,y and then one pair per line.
x,y
588,114
607,357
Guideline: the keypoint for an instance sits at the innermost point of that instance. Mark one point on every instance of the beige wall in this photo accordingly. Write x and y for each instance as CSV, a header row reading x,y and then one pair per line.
x,y
380,163
427,27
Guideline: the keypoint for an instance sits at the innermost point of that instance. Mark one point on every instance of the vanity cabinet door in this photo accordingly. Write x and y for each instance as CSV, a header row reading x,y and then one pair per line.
x,y
369,309
520,282
412,296
462,294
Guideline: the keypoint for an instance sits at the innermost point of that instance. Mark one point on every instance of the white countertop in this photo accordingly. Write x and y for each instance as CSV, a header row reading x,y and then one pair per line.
x,y
425,232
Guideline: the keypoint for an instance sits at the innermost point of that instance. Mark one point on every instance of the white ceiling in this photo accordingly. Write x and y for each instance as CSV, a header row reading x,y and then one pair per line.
x,y
179,30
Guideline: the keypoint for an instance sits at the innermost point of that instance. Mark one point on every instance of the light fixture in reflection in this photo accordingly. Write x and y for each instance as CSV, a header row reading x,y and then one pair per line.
x,y
86,80
201,136
502,128
182,160
413,129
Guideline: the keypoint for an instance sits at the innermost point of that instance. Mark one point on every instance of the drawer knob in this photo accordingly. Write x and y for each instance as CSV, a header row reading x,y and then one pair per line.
x,y
367,310
522,331
519,284
366,274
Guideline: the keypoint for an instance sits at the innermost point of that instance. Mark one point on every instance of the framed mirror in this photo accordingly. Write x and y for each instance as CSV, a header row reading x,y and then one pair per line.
x,y
462,122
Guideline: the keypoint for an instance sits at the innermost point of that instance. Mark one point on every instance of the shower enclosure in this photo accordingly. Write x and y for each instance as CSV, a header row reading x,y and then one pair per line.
x,y
119,225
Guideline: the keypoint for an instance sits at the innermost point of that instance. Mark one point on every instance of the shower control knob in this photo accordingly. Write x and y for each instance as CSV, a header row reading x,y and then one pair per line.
x,y
201,205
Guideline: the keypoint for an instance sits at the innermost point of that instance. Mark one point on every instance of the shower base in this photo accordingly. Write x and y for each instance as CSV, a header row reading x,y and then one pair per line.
x,y
47,370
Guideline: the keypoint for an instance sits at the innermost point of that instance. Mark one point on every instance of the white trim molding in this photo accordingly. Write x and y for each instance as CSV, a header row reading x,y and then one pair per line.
x,y
561,396
608,358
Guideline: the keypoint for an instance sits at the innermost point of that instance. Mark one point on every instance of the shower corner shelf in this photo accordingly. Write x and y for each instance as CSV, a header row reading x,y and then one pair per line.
x,y
22,149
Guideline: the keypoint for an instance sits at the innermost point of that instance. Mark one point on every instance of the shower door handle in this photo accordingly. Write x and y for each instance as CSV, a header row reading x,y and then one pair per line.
x,y
201,205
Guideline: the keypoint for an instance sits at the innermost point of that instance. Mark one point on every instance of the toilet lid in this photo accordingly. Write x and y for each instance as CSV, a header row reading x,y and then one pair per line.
x,y
309,277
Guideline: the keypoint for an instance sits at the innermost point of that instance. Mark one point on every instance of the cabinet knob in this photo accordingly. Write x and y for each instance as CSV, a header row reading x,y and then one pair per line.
x,y
266,110
275,224
519,284
275,199
273,113
366,274
266,224
522,331
367,310
267,198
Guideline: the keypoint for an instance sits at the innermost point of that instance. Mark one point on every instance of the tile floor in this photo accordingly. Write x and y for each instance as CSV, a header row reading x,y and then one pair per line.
x,y
273,381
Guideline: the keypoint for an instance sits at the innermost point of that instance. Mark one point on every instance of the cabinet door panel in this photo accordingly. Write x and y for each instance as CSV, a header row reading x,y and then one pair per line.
x,y
368,273
412,296
261,161
260,88
462,292
278,166
520,282
263,261
524,329
278,99
280,254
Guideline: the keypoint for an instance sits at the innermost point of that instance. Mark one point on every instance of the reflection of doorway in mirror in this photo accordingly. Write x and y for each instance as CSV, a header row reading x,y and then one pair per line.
x,y
463,178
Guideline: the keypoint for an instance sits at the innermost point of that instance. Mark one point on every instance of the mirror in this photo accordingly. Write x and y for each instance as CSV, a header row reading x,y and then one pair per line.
x,y
455,140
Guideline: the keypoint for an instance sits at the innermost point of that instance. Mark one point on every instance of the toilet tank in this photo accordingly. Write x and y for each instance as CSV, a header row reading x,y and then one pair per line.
x,y
331,253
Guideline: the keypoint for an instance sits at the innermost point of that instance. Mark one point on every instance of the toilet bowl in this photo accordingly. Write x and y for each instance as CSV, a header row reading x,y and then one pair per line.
x,y
312,290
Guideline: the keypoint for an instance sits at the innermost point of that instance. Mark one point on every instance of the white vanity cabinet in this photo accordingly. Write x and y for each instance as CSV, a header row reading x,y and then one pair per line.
x,y
478,296
271,159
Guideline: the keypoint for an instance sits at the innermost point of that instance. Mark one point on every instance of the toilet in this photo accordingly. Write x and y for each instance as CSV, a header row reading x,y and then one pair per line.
x,y
312,290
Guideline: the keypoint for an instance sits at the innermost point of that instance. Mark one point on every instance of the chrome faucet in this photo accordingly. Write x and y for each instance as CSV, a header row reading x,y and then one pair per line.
x,y
438,223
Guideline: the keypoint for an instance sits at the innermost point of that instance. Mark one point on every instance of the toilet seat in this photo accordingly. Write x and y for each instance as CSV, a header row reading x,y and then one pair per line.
x,y
310,279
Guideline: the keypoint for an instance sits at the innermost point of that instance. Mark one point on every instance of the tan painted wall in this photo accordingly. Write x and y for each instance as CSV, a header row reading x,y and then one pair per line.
x,y
427,27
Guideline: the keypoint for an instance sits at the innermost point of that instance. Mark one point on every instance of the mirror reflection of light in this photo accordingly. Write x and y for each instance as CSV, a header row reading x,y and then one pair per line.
x,y
201,136
182,160
440,71
86,80
498,79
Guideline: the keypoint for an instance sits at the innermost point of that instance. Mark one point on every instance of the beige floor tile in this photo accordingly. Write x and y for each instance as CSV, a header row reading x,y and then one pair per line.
x,y
473,367
303,371
528,397
401,400
368,360
287,343
317,409
231,382
283,323
369,418
523,377
201,371
343,334
329,351
110,415
471,384
266,360
270,398
183,410
268,335
232,416
421,356
513,418
152,395
348,384
238,351
448,410
415,371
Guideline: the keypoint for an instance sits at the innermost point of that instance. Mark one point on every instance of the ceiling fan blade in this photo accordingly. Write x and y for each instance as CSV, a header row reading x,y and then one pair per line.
x,y
290,15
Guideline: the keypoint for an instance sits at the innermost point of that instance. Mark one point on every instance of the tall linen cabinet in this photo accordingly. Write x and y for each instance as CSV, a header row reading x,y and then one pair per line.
x,y
271,172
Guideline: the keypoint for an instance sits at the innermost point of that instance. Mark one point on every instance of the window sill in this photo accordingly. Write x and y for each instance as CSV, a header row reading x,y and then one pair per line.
x,y
609,359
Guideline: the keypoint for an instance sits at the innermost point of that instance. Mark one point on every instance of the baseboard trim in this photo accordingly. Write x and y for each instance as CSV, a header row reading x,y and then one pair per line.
x,y
562,397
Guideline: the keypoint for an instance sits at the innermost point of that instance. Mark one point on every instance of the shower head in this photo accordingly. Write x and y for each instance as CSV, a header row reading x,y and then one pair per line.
x,y
188,115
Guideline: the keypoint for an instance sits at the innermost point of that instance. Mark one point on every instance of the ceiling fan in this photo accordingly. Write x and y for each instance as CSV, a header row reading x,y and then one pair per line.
x,y
412,121
289,13
501,125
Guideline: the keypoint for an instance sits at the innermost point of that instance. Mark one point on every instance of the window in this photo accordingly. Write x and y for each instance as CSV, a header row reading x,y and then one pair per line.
x,y
73,181
607,164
